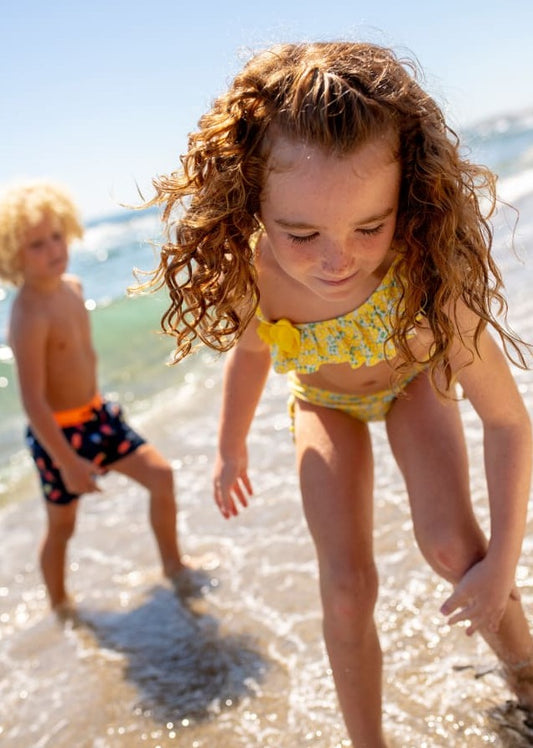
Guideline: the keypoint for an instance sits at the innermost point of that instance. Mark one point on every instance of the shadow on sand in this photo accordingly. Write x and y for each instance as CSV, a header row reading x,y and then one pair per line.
x,y
176,657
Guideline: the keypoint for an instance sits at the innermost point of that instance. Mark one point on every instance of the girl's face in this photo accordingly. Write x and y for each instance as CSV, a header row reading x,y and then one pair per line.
x,y
44,252
330,219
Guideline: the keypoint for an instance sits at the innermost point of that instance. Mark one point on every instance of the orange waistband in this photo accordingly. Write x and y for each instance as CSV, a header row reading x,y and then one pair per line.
x,y
81,414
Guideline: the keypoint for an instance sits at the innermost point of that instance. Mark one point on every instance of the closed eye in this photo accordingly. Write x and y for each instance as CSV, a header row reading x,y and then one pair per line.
x,y
302,239
373,231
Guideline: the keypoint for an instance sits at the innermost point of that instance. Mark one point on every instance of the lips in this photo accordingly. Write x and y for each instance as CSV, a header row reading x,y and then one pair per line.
x,y
338,281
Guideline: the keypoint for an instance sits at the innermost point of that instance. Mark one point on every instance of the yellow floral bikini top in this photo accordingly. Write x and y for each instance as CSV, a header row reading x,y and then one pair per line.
x,y
359,337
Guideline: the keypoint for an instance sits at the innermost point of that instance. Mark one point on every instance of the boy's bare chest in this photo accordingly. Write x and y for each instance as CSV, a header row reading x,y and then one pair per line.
x,y
68,327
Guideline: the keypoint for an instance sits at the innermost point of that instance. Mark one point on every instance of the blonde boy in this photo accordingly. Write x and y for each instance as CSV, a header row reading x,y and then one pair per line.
x,y
74,435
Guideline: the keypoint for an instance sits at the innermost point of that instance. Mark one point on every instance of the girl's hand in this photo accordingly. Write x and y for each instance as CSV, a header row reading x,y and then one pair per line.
x,y
231,484
481,598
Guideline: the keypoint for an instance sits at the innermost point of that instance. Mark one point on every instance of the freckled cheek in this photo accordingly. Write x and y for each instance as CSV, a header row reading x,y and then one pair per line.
x,y
304,258
294,256
376,248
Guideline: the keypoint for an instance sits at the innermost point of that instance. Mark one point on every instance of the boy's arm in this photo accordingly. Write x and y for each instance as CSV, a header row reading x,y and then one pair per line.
x,y
489,385
245,374
28,338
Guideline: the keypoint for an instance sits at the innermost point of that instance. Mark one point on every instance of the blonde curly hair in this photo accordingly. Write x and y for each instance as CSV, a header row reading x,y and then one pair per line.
x,y
337,96
22,206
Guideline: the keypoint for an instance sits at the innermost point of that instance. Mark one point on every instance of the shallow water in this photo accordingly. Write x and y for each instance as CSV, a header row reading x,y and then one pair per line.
x,y
244,664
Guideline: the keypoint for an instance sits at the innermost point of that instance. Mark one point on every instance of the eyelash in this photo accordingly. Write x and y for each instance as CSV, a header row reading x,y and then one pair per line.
x,y
307,239
301,239
373,231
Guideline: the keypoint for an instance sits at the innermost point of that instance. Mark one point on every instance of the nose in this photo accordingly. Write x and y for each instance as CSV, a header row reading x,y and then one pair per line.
x,y
337,261
55,248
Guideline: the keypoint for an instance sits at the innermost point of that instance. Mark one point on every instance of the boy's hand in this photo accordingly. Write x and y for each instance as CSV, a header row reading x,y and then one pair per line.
x,y
231,484
481,598
79,476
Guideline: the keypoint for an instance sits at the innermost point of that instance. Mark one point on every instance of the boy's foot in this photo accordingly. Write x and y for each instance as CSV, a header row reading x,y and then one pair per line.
x,y
192,577
66,611
191,582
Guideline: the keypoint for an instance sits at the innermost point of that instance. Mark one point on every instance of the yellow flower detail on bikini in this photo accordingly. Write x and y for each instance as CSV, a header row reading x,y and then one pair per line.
x,y
281,334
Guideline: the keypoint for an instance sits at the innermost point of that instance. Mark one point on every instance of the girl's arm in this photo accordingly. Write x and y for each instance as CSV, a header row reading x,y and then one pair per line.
x,y
488,383
245,374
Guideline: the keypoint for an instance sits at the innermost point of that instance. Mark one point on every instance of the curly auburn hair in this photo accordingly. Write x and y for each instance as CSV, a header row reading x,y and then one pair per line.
x,y
337,96
24,205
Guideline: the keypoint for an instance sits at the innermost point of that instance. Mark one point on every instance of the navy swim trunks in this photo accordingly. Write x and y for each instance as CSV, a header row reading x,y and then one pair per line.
x,y
103,438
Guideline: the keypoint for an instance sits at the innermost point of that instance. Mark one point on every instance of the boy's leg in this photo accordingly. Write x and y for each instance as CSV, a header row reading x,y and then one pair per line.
x,y
427,439
60,528
149,468
336,475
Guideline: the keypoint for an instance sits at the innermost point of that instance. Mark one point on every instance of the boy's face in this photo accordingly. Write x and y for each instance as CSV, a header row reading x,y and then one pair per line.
x,y
44,251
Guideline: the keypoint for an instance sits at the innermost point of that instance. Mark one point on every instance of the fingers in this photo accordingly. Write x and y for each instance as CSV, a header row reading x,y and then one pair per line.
x,y
82,484
229,499
93,473
473,612
466,614
247,485
448,605
237,491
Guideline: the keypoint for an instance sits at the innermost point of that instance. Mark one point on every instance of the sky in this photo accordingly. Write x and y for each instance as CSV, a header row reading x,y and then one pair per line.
x,y
101,94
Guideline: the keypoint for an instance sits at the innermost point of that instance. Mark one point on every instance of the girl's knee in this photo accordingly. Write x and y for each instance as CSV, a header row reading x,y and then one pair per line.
x,y
452,556
349,600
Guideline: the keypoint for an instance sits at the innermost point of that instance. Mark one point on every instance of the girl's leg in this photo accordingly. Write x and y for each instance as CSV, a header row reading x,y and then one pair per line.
x,y
149,468
336,475
60,528
426,436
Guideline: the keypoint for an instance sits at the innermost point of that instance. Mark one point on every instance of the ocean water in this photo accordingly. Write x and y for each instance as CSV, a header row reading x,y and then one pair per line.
x,y
244,664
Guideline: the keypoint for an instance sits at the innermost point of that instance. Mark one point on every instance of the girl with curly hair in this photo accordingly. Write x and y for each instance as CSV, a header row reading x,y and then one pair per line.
x,y
324,219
